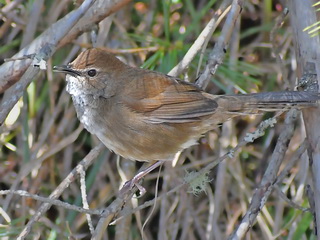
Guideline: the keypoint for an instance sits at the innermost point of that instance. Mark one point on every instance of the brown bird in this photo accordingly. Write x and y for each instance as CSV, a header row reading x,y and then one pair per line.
x,y
149,116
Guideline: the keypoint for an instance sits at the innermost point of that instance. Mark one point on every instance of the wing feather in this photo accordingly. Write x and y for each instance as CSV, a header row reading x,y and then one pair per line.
x,y
163,99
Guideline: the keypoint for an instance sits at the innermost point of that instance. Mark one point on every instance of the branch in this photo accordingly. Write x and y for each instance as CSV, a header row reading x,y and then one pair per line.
x,y
201,40
266,186
43,53
308,69
84,164
59,34
219,51
51,201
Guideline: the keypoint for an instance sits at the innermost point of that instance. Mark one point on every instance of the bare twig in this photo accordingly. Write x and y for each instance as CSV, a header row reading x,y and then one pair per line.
x,y
43,54
264,190
310,196
35,164
217,55
110,212
288,201
51,201
308,63
200,41
275,48
83,188
64,31
33,21
85,163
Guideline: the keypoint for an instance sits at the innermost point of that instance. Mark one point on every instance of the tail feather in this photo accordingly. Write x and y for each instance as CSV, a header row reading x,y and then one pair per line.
x,y
270,101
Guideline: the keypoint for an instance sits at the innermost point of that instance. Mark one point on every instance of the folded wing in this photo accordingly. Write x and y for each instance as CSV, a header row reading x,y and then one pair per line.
x,y
164,99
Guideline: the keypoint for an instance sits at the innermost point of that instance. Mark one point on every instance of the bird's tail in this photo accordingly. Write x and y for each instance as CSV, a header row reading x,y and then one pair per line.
x,y
266,102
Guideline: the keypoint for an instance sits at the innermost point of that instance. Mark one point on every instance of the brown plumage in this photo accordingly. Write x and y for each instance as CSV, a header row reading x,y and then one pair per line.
x,y
145,115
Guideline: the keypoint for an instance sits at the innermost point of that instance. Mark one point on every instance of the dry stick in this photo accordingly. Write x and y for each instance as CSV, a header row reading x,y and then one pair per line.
x,y
35,160
284,173
83,188
8,13
201,40
308,63
311,200
9,7
126,171
281,68
45,130
85,163
219,51
264,190
154,206
35,164
210,224
13,94
12,72
275,48
289,201
213,229
163,213
33,20
111,211
51,201
220,193
5,216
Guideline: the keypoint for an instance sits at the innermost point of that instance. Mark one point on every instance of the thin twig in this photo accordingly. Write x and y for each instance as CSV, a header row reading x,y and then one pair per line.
x,y
51,201
290,202
12,72
12,95
86,162
35,164
308,62
266,186
275,48
200,41
219,51
83,188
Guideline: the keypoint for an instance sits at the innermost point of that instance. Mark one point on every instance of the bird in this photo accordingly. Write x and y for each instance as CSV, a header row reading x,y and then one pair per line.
x,y
149,116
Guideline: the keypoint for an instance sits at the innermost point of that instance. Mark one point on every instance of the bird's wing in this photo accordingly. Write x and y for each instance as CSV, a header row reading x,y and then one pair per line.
x,y
164,99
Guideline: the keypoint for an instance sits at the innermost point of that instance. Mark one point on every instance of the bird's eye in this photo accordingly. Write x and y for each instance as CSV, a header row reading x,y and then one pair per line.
x,y
92,72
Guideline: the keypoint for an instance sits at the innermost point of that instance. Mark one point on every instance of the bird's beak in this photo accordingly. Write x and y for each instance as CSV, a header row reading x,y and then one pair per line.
x,y
67,70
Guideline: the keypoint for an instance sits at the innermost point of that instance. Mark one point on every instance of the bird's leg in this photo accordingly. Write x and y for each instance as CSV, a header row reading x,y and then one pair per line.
x,y
136,179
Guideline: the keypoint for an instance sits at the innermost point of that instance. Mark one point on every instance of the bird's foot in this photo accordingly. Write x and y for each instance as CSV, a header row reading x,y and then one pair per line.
x,y
135,181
